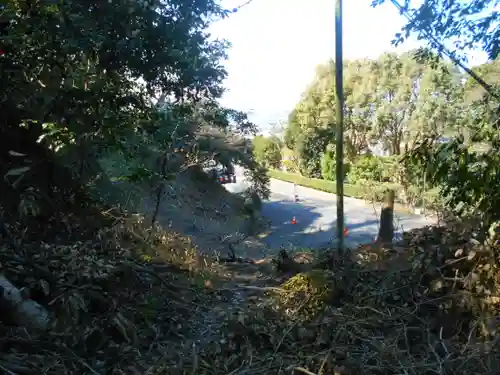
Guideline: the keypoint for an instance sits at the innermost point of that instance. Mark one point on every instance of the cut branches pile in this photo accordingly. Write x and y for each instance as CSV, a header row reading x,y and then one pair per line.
x,y
425,307
94,306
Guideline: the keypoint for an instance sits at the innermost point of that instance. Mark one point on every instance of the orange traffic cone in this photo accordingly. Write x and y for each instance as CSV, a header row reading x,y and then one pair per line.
x,y
346,232
294,220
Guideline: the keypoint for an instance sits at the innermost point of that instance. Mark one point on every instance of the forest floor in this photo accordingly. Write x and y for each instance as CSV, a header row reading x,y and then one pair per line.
x,y
125,299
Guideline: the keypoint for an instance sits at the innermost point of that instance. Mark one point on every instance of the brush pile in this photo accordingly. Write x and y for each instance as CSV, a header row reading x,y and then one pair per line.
x,y
428,307
122,299
96,305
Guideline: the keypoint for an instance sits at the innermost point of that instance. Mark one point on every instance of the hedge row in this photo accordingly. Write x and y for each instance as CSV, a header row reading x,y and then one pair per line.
x,y
368,192
355,191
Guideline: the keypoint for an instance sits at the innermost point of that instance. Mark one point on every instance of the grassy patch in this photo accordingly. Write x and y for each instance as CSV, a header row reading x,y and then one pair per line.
x,y
355,191
370,191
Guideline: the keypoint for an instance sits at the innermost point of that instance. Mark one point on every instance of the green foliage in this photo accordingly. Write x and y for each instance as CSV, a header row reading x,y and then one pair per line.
x,y
83,84
267,150
329,165
465,169
328,171
391,102
309,149
366,168
258,178
290,166
490,73
373,168
292,130
468,175
468,24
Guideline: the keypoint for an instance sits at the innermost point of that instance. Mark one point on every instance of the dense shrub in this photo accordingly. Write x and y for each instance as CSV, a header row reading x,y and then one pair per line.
x,y
290,166
329,166
366,168
267,151
373,168
309,148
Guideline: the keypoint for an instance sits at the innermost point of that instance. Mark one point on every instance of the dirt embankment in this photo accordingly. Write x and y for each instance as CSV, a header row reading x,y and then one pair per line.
x,y
211,216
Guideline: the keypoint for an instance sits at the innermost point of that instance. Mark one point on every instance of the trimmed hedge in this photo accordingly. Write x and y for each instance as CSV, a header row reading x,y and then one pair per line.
x,y
355,191
370,191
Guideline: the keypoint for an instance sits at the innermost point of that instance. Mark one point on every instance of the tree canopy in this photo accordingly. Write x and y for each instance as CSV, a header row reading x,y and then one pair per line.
x,y
81,79
466,167
267,150
388,101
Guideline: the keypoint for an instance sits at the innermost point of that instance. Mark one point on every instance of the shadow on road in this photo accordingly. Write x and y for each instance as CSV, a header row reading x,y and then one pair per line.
x,y
312,228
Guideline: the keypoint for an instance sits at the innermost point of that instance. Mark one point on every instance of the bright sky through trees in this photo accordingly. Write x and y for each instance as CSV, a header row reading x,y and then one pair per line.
x,y
278,43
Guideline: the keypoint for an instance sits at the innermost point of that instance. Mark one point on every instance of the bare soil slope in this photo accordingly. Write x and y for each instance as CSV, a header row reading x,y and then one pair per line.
x,y
206,212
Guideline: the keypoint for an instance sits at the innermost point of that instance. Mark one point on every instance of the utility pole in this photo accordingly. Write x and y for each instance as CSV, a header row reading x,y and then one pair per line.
x,y
339,154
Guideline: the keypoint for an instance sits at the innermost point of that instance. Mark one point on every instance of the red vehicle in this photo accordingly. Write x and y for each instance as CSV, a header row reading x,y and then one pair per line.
x,y
224,175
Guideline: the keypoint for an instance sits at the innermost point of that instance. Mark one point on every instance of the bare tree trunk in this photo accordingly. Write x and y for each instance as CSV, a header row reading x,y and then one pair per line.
x,y
160,188
386,230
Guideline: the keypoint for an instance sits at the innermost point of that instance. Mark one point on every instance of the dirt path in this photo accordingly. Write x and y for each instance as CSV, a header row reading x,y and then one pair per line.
x,y
240,285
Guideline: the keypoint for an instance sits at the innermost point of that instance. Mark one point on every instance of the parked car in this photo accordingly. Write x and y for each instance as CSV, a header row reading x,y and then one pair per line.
x,y
225,175
222,174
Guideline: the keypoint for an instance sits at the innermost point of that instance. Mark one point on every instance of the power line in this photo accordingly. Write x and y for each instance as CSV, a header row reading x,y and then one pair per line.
x,y
241,6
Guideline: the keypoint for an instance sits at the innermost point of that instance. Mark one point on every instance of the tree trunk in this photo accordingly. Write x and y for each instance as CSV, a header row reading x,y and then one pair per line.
x,y
386,230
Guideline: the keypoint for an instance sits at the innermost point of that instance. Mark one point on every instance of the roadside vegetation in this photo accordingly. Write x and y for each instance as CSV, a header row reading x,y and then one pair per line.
x,y
368,190
112,236
393,105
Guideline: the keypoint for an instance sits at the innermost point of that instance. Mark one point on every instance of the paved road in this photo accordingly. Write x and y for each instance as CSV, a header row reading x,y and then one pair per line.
x,y
315,215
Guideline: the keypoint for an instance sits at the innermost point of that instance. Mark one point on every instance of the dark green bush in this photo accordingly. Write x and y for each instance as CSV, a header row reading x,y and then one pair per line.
x,y
329,166
374,168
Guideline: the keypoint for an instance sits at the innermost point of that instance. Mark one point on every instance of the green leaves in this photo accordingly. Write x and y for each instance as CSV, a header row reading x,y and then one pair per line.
x,y
88,71
465,25
389,102
267,151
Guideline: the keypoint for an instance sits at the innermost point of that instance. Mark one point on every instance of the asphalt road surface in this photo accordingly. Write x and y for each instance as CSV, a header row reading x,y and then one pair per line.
x,y
316,214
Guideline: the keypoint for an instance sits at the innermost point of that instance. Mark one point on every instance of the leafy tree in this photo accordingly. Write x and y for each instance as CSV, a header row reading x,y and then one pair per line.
x,y
290,161
309,149
366,168
267,150
390,101
466,170
80,81
359,91
311,124
292,130
374,168
413,98
329,164
466,24
490,73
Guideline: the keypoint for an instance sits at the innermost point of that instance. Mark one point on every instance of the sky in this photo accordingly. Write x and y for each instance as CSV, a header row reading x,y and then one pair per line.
x,y
277,44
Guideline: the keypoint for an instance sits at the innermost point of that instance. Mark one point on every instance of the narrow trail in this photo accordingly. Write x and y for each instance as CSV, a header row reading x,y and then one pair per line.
x,y
239,286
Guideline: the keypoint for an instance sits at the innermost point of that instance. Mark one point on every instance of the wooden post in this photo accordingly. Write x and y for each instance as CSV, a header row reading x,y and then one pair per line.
x,y
386,230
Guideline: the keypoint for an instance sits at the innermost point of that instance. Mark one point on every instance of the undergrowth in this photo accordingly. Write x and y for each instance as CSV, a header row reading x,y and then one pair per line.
x,y
426,307
116,298
122,297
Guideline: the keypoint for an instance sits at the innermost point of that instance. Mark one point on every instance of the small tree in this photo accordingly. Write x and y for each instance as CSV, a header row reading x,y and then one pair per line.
x,y
267,151
328,170
329,164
